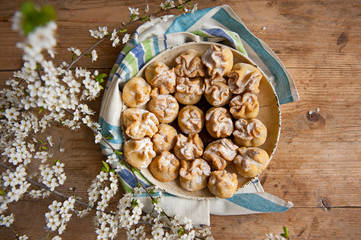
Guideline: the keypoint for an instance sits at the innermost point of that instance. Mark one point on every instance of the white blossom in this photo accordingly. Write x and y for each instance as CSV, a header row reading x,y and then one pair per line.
x,y
94,55
126,38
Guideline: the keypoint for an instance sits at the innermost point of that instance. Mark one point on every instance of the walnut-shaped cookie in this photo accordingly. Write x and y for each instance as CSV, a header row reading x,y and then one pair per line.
x,y
160,77
193,175
191,119
136,92
188,148
244,106
165,167
165,107
218,60
219,152
165,138
244,77
251,161
222,183
189,91
139,123
217,91
139,153
249,133
219,122
189,64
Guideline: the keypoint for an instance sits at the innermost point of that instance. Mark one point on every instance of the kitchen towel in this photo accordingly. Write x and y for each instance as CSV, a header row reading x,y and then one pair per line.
x,y
217,24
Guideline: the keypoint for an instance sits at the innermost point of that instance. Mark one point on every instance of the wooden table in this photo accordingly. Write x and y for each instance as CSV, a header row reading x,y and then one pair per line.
x,y
317,165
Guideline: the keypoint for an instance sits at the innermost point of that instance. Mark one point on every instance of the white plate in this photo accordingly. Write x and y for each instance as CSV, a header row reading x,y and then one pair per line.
x,y
269,114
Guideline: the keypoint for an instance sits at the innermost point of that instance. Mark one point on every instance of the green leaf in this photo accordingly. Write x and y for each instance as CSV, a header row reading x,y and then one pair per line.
x,y
106,165
138,184
151,191
145,18
104,169
118,152
100,77
55,161
286,233
155,200
133,16
2,192
134,203
180,232
41,109
123,30
34,16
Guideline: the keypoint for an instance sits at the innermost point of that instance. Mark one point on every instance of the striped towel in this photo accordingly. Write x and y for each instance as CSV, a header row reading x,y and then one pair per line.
x,y
213,25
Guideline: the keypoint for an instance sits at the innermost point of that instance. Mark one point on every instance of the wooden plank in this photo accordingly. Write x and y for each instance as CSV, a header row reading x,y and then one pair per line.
x,y
317,163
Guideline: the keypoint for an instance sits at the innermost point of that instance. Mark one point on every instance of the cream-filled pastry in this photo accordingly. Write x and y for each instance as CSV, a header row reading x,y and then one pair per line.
x,y
188,148
191,119
189,64
218,153
165,107
193,175
189,91
244,106
139,123
222,183
165,138
249,133
216,91
219,122
165,167
218,60
160,77
139,153
244,77
251,161
136,92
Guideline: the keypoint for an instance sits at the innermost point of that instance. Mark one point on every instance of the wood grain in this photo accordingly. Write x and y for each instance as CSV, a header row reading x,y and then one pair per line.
x,y
317,164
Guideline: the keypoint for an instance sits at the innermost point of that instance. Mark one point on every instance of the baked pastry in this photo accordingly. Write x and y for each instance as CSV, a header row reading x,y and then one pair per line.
x,y
165,138
217,91
193,175
191,119
139,123
165,107
189,91
139,153
136,92
219,122
165,167
244,106
189,64
188,148
218,60
160,77
251,161
244,77
219,152
249,133
222,183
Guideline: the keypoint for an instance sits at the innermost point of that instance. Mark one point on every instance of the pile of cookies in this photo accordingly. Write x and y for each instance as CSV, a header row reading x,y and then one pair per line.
x,y
164,121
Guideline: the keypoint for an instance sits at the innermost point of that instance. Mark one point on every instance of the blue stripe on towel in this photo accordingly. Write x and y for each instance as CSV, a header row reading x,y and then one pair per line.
x,y
138,52
128,177
254,202
282,87
185,21
156,46
105,131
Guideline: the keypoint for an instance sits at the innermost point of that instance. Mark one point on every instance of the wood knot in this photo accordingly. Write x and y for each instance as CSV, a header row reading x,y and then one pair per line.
x,y
315,119
326,203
